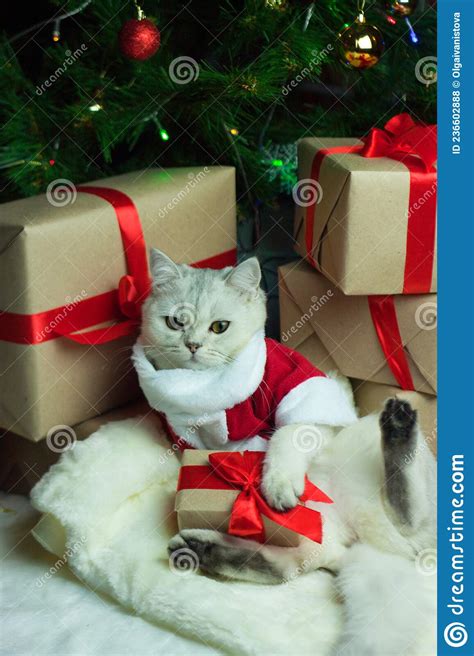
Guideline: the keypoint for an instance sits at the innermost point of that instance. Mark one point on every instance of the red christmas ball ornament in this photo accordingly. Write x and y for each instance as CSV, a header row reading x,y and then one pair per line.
x,y
139,39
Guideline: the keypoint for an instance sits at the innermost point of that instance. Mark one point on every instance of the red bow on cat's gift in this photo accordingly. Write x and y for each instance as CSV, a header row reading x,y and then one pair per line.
x,y
243,471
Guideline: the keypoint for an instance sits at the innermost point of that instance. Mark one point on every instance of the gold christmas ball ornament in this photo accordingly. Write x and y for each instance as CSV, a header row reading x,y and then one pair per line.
x,y
360,45
278,5
401,7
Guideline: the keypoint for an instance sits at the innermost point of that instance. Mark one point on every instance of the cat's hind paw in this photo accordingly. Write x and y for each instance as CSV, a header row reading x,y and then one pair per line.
x,y
398,420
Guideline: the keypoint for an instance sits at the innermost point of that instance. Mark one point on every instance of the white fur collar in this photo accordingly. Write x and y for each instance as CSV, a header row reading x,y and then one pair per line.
x,y
190,393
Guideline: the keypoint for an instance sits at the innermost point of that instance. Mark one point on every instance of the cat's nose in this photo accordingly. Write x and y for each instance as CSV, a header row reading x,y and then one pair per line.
x,y
193,346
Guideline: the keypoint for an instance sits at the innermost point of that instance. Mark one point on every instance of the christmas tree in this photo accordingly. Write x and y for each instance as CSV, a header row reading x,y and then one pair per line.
x,y
230,83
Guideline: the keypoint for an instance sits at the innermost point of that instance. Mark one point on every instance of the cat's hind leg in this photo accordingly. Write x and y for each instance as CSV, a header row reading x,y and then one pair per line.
x,y
409,466
398,427
236,558
232,557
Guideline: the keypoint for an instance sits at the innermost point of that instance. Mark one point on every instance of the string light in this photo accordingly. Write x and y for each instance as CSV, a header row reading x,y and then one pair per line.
x,y
413,37
56,35
95,107
164,135
234,132
56,31
277,162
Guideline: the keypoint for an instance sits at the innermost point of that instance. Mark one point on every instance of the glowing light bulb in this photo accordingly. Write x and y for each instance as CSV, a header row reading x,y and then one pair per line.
x,y
164,135
413,37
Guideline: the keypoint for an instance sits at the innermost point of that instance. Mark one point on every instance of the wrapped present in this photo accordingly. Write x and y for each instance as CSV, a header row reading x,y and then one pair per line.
x,y
384,339
365,211
23,462
221,491
73,265
296,331
370,397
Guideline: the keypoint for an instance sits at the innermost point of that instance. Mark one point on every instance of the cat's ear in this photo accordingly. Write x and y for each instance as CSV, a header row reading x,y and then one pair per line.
x,y
246,276
163,269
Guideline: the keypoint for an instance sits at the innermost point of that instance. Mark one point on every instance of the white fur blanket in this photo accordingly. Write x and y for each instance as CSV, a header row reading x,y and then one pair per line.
x,y
108,504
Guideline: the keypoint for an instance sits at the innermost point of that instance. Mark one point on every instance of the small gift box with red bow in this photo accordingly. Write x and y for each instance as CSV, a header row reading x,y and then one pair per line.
x,y
366,208
74,272
221,491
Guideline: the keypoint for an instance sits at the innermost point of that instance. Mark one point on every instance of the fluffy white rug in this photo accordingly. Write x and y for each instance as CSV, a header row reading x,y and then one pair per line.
x,y
109,504
45,610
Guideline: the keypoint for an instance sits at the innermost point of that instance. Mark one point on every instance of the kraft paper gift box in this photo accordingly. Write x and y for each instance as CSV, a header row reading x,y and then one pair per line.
x,y
23,462
371,228
295,332
76,260
205,500
344,330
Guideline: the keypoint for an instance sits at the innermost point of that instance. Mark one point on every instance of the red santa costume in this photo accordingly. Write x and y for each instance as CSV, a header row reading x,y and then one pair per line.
x,y
237,406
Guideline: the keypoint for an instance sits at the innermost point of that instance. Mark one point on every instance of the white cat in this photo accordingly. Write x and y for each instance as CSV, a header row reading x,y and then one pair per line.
x,y
201,347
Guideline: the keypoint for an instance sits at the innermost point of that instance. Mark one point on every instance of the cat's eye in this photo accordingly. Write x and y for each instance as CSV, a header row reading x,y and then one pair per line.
x,y
219,327
174,323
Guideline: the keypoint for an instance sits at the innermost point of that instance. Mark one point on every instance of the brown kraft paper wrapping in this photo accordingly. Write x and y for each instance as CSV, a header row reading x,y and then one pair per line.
x,y
361,217
345,334
23,462
200,508
53,255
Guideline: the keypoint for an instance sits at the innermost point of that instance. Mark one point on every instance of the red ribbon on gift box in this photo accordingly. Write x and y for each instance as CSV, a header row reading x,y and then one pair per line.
x,y
414,145
243,471
121,306
384,319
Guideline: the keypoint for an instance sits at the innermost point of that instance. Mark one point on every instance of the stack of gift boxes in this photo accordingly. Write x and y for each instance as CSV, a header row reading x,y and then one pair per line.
x,y
363,299
73,266
74,272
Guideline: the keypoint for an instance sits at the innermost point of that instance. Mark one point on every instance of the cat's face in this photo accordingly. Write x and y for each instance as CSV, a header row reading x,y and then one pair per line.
x,y
200,318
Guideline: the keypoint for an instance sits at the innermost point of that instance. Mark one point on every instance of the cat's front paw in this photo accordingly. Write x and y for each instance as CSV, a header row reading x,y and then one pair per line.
x,y
281,489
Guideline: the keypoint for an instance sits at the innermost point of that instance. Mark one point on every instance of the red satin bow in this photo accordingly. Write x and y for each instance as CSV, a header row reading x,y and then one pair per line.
x,y
243,471
402,138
